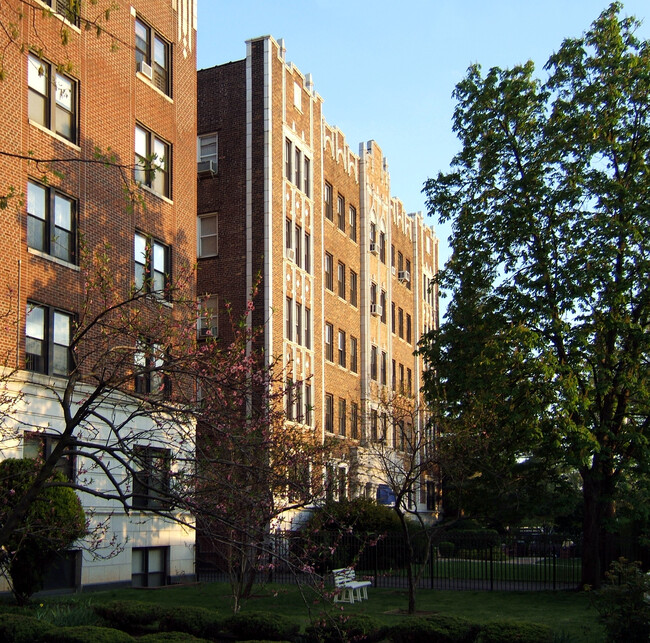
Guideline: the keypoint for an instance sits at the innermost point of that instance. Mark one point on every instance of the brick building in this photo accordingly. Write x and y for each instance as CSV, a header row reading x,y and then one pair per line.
x,y
345,271
69,91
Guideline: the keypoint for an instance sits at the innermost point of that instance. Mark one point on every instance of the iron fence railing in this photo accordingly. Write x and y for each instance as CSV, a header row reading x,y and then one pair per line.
x,y
487,561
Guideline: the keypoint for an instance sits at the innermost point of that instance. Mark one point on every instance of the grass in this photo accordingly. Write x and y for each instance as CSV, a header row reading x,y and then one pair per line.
x,y
569,614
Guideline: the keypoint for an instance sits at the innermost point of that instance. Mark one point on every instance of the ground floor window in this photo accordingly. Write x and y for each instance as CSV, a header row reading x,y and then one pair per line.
x,y
149,566
64,572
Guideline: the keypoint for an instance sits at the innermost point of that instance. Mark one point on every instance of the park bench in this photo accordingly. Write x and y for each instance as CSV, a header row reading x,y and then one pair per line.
x,y
348,587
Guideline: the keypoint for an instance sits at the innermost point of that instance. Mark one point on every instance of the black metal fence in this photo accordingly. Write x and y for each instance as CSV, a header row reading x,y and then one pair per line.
x,y
488,561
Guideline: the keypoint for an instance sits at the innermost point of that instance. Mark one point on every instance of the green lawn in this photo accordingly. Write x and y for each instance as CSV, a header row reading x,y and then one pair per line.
x,y
569,614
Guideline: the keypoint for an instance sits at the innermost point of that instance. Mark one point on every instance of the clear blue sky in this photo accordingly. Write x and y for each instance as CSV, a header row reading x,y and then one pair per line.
x,y
386,69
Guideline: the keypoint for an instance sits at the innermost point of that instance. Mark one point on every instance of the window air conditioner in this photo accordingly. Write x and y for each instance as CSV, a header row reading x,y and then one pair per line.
x,y
291,254
207,167
375,309
205,331
404,276
373,248
145,69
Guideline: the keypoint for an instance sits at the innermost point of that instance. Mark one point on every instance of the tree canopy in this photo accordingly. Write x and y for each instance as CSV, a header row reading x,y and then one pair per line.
x,y
546,334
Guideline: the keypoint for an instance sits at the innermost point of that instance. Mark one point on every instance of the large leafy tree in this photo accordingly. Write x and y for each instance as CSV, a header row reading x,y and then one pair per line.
x,y
549,199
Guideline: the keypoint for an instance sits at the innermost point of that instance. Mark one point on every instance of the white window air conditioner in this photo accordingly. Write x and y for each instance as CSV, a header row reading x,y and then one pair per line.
x,y
291,254
373,248
207,167
375,309
145,69
207,331
404,276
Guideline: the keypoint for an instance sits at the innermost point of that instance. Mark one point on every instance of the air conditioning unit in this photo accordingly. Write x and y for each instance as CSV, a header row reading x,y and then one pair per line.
x,y
145,69
376,310
207,167
373,248
205,331
393,270
291,254
404,276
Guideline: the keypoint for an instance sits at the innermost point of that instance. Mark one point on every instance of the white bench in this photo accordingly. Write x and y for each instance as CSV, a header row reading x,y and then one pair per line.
x,y
347,587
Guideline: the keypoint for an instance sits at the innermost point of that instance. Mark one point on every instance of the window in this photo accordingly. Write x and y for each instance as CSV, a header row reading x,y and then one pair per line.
x,y
329,413
353,287
151,265
52,98
329,342
408,269
39,446
297,96
207,151
343,416
288,159
297,251
209,320
298,323
152,57
409,382
400,261
382,247
354,363
342,355
152,161
383,368
394,376
382,303
401,378
51,222
298,168
151,477
288,232
289,398
353,223
48,333
373,425
208,239
289,319
392,257
408,328
297,397
69,9
328,202
392,316
307,328
307,265
308,404
307,177
149,566
340,211
354,420
373,363
341,280
384,427
400,322
149,362
329,271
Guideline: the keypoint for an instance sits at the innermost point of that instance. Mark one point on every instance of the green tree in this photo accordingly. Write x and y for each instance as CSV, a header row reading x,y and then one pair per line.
x,y
54,521
548,198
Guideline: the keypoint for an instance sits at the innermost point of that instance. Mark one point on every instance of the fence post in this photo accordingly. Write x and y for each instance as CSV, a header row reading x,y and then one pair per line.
x,y
491,569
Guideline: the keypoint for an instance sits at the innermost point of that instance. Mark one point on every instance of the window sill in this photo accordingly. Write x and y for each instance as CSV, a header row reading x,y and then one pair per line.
x,y
164,198
58,16
146,81
53,259
53,134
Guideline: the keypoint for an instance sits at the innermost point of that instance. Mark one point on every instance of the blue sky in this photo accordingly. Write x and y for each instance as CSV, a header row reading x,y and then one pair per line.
x,y
386,69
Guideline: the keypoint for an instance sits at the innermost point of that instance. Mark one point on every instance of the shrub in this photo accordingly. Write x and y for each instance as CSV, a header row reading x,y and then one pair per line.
x,y
87,634
362,515
446,549
262,625
170,637
435,629
55,519
353,627
15,628
197,621
515,632
622,603
131,616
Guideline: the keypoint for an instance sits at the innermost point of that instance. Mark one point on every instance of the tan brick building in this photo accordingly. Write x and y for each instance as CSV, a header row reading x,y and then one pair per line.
x,y
345,271
68,92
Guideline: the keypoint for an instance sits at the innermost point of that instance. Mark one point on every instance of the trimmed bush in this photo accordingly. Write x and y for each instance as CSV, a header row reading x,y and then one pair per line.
x,y
515,632
197,621
352,627
446,549
130,616
170,637
262,625
15,628
435,629
87,634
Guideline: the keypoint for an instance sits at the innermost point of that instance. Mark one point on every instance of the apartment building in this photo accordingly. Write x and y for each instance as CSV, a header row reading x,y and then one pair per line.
x,y
345,273
88,103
